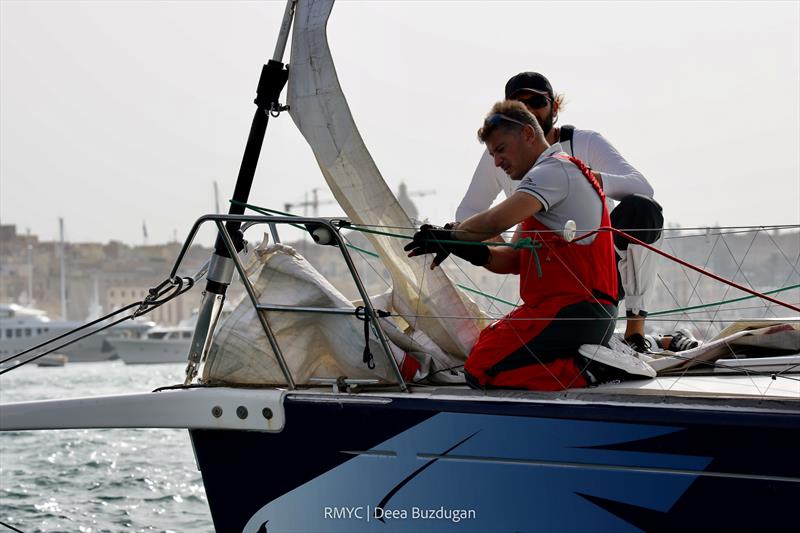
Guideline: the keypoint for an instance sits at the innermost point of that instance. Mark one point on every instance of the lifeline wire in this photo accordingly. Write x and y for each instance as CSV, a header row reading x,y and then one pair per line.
x,y
148,304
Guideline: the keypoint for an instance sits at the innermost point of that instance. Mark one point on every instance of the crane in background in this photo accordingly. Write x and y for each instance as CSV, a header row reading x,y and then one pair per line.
x,y
315,202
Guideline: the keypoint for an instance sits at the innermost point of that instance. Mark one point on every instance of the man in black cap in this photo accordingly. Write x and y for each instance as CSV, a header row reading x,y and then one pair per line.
x,y
619,179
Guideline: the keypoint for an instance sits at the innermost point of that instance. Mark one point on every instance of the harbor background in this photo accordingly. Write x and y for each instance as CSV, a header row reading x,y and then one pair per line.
x,y
98,480
106,276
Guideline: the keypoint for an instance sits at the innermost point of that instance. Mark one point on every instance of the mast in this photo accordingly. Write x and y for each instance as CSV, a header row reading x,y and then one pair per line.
x,y
30,267
63,269
274,76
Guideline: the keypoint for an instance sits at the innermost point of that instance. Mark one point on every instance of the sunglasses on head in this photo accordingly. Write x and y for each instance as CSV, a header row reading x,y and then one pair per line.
x,y
534,100
497,118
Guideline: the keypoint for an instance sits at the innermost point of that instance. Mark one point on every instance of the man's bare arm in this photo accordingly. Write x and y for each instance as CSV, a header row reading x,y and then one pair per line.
x,y
503,216
504,259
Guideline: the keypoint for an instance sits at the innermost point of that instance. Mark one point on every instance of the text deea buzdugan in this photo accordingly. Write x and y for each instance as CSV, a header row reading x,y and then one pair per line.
x,y
368,513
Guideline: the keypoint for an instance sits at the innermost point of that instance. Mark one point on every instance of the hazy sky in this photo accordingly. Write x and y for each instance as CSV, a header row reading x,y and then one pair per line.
x,y
112,113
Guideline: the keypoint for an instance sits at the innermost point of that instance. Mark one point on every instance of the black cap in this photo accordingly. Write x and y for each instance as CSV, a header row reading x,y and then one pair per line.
x,y
528,81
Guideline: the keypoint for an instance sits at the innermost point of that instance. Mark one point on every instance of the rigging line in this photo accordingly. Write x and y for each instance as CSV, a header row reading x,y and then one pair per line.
x,y
788,369
688,228
358,249
466,288
733,232
12,528
655,313
709,274
726,310
699,278
727,290
363,230
536,319
788,261
721,302
300,226
424,267
753,381
153,305
797,262
752,228
265,211
676,301
789,275
738,267
694,284
370,265
94,322
417,316
414,342
491,298
705,230
449,368
650,317
485,295
740,369
588,292
358,226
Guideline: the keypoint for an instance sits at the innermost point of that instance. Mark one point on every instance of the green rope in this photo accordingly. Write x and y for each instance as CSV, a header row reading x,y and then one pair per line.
x,y
723,302
527,242
376,232
363,251
534,246
495,298
259,209
265,211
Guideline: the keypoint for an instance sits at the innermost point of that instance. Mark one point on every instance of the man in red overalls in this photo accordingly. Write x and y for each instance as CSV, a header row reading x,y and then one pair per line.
x,y
568,288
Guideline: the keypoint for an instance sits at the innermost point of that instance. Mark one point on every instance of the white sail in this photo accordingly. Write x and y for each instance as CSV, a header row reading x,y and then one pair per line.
x,y
320,111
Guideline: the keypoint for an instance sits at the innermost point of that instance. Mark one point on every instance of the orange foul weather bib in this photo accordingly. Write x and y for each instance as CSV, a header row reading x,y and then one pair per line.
x,y
571,303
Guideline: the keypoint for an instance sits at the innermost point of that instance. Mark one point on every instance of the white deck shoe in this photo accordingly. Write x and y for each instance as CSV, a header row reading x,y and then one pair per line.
x,y
622,357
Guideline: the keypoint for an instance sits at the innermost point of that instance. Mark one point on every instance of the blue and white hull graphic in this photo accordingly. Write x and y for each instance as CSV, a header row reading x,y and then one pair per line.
x,y
430,465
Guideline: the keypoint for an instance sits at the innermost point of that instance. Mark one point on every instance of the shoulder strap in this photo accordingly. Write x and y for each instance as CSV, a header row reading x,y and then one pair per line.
x,y
587,173
565,135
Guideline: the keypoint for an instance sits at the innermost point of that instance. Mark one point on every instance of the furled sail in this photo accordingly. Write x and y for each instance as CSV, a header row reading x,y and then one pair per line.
x,y
320,111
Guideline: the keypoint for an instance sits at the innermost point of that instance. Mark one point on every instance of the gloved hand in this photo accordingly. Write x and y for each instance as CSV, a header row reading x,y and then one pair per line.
x,y
428,240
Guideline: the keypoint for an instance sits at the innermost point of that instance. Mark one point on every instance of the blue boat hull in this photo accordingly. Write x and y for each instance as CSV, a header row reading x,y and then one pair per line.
x,y
451,465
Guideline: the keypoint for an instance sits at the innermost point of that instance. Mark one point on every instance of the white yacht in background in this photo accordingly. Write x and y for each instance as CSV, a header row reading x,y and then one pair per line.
x,y
23,327
159,344
168,344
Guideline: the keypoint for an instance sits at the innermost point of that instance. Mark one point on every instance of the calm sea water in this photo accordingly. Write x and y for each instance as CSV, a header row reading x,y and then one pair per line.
x,y
98,480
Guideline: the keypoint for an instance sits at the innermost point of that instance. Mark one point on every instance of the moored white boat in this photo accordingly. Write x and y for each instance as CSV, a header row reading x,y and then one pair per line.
x,y
157,345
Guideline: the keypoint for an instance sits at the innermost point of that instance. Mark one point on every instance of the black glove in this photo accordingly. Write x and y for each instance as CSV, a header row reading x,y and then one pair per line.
x,y
428,240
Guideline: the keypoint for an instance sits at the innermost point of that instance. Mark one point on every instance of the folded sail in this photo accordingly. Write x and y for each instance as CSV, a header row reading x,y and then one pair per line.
x,y
320,111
